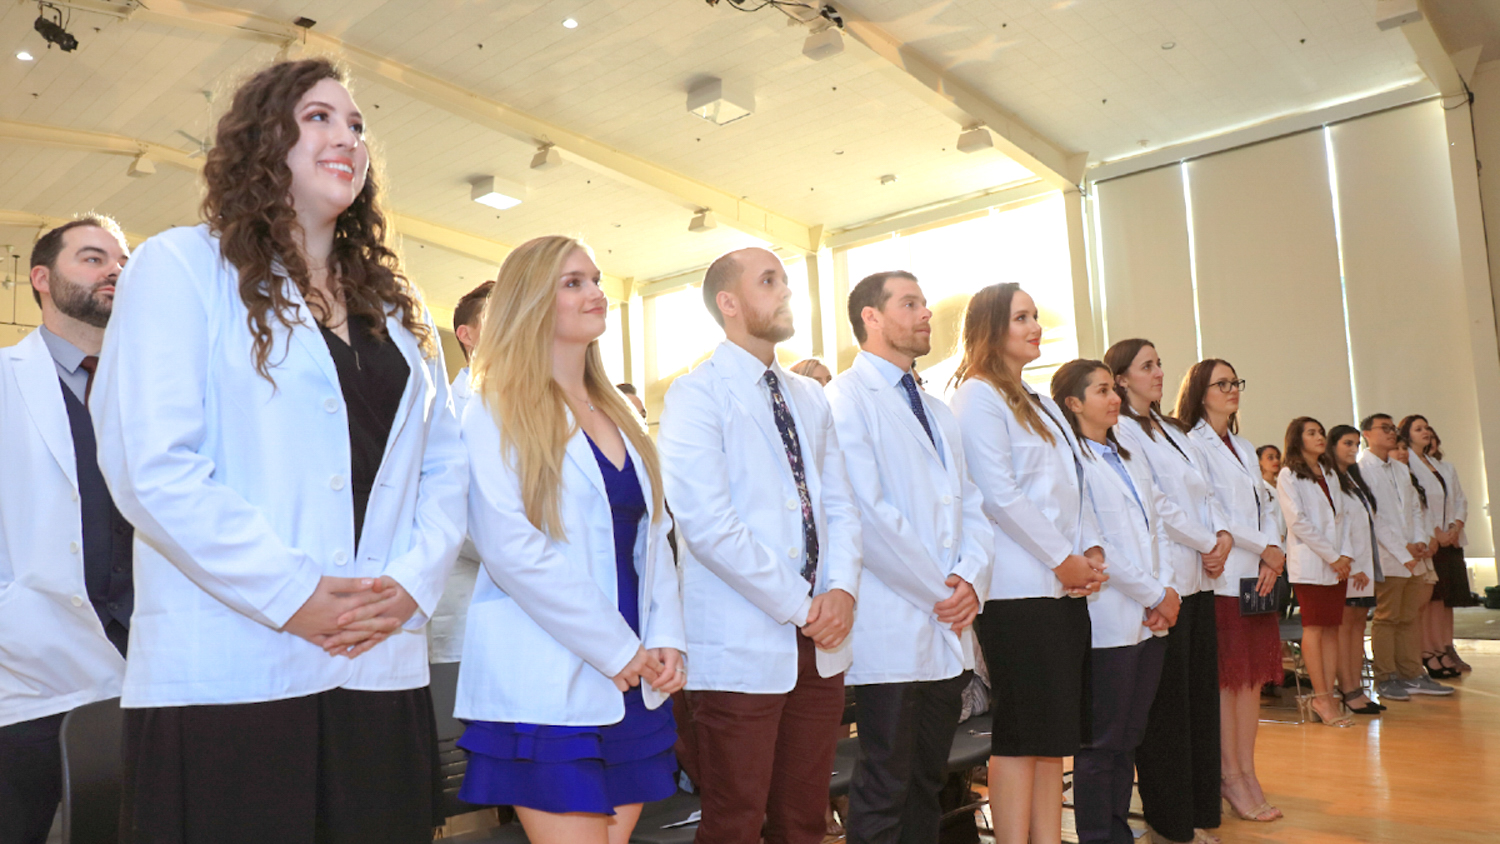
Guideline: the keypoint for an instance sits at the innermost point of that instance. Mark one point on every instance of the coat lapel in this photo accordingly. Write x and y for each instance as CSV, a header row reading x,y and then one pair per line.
x,y
582,455
41,390
418,373
752,404
893,403
305,332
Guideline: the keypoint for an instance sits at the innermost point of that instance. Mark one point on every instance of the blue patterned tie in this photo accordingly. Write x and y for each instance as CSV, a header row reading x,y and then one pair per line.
x,y
788,428
916,405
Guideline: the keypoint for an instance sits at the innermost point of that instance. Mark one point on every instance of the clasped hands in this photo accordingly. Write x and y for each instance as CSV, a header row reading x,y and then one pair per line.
x,y
1213,561
347,616
660,667
1083,574
1164,615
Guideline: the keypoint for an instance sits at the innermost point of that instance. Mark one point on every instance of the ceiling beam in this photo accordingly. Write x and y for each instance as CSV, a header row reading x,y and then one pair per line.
x,y
967,106
686,193
1432,56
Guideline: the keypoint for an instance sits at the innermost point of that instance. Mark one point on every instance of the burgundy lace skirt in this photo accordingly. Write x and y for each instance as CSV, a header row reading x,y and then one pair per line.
x,y
1249,646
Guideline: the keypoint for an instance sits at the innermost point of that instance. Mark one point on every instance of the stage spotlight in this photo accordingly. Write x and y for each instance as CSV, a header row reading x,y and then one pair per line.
x,y
53,31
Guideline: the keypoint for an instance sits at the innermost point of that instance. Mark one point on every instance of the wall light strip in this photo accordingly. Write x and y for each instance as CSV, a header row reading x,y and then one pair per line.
x,y
1187,199
1338,240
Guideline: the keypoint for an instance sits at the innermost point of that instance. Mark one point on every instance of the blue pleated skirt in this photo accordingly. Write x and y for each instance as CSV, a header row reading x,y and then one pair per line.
x,y
573,769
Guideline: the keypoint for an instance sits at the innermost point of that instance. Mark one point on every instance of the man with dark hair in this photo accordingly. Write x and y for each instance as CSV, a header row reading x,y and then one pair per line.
x,y
69,590
928,550
1395,641
770,565
628,389
445,632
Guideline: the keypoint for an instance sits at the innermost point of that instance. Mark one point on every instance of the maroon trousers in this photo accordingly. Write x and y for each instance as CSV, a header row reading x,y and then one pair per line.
x,y
764,761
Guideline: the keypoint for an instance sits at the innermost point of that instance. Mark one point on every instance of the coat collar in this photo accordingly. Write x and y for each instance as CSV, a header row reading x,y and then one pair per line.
x,y
893,400
738,369
41,391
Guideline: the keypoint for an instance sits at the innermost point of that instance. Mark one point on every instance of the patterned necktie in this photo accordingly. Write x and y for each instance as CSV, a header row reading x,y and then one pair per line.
x,y
916,405
88,364
788,429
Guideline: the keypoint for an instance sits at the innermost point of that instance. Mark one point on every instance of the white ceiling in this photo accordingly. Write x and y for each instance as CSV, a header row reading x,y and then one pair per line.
x,y
822,135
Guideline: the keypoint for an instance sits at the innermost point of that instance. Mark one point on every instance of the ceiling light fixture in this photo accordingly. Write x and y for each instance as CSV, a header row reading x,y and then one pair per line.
x,y
888,179
496,193
52,30
546,158
141,165
569,23
823,42
975,138
720,102
25,56
1167,45
703,221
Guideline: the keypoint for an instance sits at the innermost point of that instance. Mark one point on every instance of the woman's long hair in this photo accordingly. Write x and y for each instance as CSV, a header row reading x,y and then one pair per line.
x,y
512,370
1292,456
1404,441
248,204
986,325
1195,384
1350,480
1071,381
1118,358
1403,430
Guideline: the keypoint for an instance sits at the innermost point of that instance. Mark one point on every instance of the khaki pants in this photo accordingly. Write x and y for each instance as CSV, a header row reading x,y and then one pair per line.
x,y
1394,636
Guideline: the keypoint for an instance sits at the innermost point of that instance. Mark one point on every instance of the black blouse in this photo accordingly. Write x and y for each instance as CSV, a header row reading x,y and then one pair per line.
x,y
372,375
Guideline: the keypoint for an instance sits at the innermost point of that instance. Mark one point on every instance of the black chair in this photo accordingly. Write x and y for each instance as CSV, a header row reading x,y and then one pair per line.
x,y
971,744
92,772
451,759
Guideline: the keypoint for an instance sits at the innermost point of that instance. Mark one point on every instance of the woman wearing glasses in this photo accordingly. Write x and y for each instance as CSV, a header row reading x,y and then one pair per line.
x,y
1249,646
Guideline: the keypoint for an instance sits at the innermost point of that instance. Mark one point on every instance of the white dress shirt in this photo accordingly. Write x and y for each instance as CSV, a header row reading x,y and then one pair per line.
x,y
239,487
922,518
739,520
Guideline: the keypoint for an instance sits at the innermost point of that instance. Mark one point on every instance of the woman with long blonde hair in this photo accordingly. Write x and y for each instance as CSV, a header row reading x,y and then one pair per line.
x,y
574,635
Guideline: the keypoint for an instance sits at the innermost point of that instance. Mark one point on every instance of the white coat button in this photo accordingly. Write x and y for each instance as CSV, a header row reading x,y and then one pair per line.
x,y
947,499
336,482
340,558
947,543
331,404
73,547
791,503
77,601
792,553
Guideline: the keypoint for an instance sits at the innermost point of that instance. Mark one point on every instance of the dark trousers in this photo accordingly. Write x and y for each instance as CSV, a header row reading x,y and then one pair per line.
x,y
765,760
905,734
30,779
1125,681
1178,761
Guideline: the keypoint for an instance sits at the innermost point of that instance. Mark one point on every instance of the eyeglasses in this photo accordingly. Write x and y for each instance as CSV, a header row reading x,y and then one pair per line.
x,y
1386,428
1229,386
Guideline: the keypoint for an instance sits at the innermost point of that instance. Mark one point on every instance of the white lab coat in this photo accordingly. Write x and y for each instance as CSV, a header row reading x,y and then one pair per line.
x,y
1033,491
54,655
1458,503
1189,516
1361,524
1239,490
239,489
1273,503
544,633
922,520
1132,546
445,634
1397,520
1434,516
739,521
1317,531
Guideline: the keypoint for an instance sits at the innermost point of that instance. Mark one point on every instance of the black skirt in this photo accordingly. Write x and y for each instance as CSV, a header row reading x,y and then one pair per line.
x,y
1452,587
338,767
1037,650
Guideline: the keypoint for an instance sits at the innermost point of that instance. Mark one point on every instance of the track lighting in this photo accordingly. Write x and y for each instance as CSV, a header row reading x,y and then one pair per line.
x,y
823,43
52,30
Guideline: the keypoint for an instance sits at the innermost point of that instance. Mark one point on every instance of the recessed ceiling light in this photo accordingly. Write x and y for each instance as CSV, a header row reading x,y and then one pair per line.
x,y
496,193
1167,45
25,56
570,23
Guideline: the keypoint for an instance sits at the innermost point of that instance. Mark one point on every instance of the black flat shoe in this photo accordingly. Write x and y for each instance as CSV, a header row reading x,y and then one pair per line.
x,y
1370,707
1435,668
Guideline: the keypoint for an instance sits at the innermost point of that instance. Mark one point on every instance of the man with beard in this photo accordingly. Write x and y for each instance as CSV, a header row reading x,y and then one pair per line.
x,y
65,555
770,564
927,549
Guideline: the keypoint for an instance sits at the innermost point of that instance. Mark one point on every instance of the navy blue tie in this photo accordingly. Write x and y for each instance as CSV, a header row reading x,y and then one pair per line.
x,y
787,427
916,405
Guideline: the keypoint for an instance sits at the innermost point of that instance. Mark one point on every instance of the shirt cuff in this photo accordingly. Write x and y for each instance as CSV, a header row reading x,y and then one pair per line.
x,y
799,617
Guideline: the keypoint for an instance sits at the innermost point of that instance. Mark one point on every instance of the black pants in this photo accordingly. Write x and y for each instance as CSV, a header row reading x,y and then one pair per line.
x,y
1125,681
1178,762
905,735
338,767
30,779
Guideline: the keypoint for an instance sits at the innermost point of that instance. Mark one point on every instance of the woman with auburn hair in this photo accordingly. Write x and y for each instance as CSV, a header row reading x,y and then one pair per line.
x,y
274,418
1048,553
575,632
1208,404
1178,760
1441,523
1319,557
1359,506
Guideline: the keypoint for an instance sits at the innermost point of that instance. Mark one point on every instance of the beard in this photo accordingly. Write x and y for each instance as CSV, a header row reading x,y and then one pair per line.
x,y
914,345
80,302
763,326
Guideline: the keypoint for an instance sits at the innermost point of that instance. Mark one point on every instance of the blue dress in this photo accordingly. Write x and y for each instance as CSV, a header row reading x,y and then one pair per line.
x,y
583,769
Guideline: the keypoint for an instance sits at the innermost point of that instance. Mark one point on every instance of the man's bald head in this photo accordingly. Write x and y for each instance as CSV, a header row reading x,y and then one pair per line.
x,y
726,271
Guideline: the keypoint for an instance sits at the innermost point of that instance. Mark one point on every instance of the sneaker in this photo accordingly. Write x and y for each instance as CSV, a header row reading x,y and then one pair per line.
x,y
1424,685
1392,689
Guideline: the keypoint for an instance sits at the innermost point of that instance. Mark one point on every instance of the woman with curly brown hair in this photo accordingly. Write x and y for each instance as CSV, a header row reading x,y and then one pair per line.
x,y
273,417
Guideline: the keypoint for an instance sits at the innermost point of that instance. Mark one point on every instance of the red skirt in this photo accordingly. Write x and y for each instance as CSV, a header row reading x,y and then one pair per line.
x,y
1322,606
1249,646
